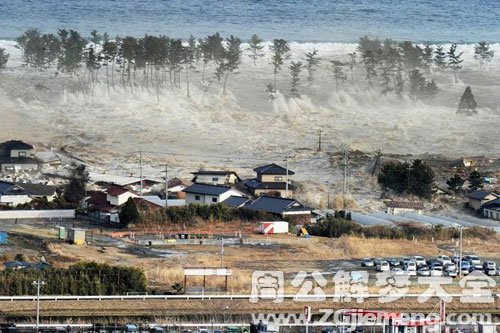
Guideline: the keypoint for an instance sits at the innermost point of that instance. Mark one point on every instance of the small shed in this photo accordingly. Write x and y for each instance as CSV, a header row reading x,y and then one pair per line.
x,y
62,233
76,236
3,237
273,227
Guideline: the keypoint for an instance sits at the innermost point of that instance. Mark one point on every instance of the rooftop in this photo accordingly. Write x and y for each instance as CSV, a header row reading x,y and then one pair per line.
x,y
275,205
116,191
7,146
207,189
272,169
38,189
235,201
479,194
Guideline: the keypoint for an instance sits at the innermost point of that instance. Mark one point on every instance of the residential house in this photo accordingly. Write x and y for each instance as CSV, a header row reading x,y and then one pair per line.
x,y
271,178
209,194
478,198
175,185
283,207
236,201
215,177
491,209
117,196
394,207
13,194
16,155
106,205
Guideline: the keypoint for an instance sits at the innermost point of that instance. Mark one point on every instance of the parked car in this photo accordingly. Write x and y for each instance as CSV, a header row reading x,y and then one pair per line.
x,y
450,272
404,260
473,260
444,259
377,261
455,258
436,264
466,265
424,271
489,265
420,261
451,267
383,266
437,271
367,262
394,262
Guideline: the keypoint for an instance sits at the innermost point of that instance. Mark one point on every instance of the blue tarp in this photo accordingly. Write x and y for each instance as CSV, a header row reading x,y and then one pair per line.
x,y
3,237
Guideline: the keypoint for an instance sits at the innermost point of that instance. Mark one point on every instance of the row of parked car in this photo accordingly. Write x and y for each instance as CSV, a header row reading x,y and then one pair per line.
x,y
443,265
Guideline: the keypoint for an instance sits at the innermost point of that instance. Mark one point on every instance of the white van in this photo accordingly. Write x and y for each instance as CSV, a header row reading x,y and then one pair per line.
x,y
411,268
383,266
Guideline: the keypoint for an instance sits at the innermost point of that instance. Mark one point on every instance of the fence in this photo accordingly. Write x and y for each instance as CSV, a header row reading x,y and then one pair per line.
x,y
37,214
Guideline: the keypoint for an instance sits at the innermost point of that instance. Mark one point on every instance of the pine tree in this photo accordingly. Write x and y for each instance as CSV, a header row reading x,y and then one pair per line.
x,y
255,48
483,53
295,69
312,62
129,213
75,189
352,64
427,58
440,58
232,58
467,103
4,57
455,182
338,73
454,60
475,180
280,52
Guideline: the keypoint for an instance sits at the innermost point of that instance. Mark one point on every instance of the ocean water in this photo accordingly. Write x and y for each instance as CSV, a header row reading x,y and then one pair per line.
x,y
436,21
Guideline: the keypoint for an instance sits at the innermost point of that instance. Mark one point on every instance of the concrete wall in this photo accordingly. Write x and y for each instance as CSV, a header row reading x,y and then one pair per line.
x,y
37,214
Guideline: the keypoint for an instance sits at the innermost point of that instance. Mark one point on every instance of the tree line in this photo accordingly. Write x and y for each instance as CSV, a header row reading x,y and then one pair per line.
x,y
80,279
161,62
189,214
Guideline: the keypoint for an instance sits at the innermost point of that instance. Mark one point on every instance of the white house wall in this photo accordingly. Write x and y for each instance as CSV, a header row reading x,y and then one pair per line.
x,y
14,200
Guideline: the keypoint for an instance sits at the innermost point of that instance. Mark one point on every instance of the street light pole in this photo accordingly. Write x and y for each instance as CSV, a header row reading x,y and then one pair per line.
x,y
38,284
460,252
286,178
327,194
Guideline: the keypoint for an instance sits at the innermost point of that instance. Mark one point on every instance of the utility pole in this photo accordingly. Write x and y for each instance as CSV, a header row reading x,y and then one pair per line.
x,y
409,177
38,284
319,141
460,252
327,194
344,185
140,171
221,252
286,178
166,186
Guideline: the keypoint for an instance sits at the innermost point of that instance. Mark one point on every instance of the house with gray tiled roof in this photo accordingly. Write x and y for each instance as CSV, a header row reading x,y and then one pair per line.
x,y
16,156
271,178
